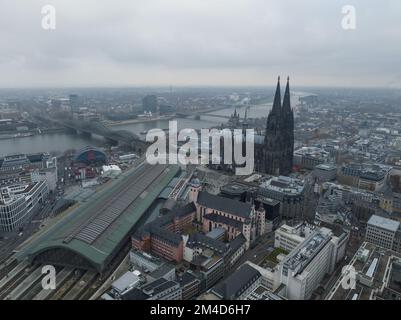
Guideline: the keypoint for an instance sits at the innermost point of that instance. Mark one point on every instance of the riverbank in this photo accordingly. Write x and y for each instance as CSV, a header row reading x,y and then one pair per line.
x,y
11,135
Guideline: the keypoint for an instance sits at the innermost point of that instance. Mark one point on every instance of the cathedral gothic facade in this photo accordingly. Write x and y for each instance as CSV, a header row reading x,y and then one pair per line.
x,y
274,151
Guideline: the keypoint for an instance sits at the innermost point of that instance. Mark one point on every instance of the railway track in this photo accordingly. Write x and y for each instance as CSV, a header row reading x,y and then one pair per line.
x,y
20,281
68,284
25,285
7,268
80,286
9,283
61,278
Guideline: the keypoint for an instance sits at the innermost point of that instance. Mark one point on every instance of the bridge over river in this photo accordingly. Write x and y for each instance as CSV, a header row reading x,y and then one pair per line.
x,y
124,137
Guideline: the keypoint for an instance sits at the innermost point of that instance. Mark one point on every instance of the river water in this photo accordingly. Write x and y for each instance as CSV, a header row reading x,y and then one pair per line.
x,y
60,142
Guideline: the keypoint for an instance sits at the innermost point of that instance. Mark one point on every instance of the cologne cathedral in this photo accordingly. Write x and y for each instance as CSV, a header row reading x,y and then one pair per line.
x,y
274,151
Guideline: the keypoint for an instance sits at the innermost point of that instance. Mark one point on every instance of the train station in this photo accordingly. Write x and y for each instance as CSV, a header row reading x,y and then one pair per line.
x,y
94,232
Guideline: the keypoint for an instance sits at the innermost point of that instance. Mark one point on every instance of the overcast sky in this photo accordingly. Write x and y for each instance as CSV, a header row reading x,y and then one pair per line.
x,y
199,42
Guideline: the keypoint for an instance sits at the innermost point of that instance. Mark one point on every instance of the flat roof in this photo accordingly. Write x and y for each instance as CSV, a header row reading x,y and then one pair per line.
x,y
216,233
96,228
384,223
326,166
125,281
377,267
284,184
303,254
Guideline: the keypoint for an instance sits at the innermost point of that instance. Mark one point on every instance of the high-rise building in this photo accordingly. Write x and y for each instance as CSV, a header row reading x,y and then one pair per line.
x,y
274,152
74,102
149,103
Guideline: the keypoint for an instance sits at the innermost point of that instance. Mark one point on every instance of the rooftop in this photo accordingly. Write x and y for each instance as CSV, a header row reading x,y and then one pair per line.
x,y
384,223
233,189
326,167
373,274
234,207
125,281
201,240
304,253
150,290
284,184
158,228
313,152
94,229
232,287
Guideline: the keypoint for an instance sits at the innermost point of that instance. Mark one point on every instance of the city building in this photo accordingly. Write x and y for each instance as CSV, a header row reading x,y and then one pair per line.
x,y
325,172
384,232
30,175
74,102
190,285
373,274
210,258
198,244
304,268
111,171
288,191
154,267
234,191
127,282
262,293
163,236
310,157
149,103
145,261
17,162
274,151
160,289
288,237
331,208
238,285
234,216
392,289
19,202
368,177
311,253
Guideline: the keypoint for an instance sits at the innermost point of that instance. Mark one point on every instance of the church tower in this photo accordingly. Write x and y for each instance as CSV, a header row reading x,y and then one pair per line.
x,y
288,119
275,155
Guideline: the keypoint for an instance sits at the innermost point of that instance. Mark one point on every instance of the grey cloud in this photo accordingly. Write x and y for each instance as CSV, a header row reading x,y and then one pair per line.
x,y
199,42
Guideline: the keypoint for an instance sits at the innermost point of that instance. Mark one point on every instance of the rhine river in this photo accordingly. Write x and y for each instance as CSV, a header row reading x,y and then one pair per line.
x,y
61,142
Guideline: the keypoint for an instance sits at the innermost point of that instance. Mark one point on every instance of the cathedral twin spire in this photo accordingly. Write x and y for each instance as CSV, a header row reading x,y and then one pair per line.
x,y
279,136
286,107
277,99
281,114
286,100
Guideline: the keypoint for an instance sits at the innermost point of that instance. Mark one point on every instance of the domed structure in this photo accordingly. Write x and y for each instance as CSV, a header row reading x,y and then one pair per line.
x,y
90,156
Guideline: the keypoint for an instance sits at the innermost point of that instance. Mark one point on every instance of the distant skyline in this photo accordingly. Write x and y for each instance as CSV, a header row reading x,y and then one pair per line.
x,y
199,43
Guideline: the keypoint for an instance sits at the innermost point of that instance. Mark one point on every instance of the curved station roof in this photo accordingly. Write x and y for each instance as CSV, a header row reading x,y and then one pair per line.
x,y
91,235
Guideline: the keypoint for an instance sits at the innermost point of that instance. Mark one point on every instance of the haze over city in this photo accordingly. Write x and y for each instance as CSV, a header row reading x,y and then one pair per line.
x,y
216,155
199,42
